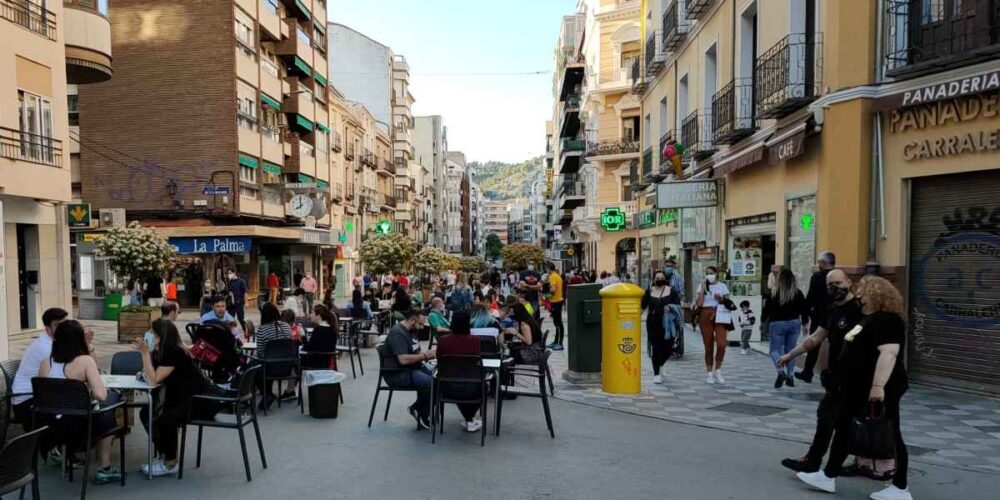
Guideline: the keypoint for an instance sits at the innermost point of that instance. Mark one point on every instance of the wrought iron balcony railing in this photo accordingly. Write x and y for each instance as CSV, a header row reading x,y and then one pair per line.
x,y
639,82
656,57
666,138
732,112
32,148
922,36
29,14
788,76
647,166
612,147
349,154
336,141
695,137
697,8
675,27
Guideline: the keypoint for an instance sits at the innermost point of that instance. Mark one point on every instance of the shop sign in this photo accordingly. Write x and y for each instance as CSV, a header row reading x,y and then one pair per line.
x,y
78,214
224,244
668,216
687,194
613,219
93,237
946,90
943,114
315,237
647,219
383,227
750,220
787,149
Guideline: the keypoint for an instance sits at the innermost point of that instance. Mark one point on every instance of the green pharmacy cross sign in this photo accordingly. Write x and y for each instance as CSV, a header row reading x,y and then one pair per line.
x,y
807,221
383,227
613,219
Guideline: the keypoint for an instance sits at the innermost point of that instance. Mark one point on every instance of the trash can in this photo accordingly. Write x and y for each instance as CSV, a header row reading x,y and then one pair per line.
x,y
583,311
323,392
112,306
621,343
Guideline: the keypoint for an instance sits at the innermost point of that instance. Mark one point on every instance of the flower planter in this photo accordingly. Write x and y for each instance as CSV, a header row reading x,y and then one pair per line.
x,y
132,325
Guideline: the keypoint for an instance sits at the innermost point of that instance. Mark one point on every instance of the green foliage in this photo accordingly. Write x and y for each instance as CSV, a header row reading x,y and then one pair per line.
x,y
493,246
135,308
516,257
471,265
502,181
136,252
381,254
430,260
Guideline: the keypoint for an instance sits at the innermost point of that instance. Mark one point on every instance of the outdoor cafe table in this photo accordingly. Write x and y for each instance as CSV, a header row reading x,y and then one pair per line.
x,y
130,383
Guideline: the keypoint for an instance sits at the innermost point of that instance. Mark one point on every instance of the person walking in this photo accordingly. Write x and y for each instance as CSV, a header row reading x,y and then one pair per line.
x,y
788,314
843,314
153,289
818,301
658,301
746,321
873,376
714,320
238,293
309,285
557,300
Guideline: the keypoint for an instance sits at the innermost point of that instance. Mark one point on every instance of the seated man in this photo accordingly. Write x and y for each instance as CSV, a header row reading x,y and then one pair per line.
x,y
218,312
39,350
402,352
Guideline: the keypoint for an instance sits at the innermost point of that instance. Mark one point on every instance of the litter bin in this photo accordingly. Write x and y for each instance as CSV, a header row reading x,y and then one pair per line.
x,y
323,392
621,338
112,306
583,310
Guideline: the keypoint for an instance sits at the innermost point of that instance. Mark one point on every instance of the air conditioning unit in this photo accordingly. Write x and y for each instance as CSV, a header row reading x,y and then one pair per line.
x,y
112,217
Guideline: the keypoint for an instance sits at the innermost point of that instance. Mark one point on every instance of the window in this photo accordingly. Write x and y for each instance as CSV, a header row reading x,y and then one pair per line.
x,y
630,129
270,5
248,174
249,192
36,127
322,146
270,120
932,11
86,272
303,36
319,40
73,106
244,30
630,53
626,183
246,105
269,67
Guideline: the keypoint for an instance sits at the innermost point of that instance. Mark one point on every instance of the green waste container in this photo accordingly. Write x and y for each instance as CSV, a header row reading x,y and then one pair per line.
x,y
583,310
112,306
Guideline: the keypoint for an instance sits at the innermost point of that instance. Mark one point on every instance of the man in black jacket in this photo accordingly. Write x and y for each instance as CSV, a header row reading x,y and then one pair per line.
x,y
818,300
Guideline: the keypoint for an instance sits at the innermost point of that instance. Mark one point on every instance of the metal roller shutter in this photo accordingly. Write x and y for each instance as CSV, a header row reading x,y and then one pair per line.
x,y
954,290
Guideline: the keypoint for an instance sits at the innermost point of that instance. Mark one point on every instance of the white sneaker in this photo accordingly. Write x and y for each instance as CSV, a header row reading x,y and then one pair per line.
x,y
657,379
745,352
157,462
160,469
891,493
818,480
473,425
710,379
717,375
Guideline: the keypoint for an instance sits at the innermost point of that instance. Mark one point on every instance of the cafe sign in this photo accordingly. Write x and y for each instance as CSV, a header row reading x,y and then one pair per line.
x,y
687,194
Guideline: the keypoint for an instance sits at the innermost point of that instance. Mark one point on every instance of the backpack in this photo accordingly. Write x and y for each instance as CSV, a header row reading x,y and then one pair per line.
x,y
460,300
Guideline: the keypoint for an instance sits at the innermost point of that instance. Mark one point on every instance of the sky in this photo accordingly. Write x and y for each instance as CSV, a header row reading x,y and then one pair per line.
x,y
468,60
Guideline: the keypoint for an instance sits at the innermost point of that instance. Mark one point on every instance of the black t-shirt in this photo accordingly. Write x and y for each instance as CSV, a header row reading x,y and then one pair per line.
x,y
185,380
153,290
840,319
861,354
530,278
400,341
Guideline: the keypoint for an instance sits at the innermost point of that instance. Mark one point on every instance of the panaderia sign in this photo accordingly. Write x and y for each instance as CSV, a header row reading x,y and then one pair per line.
x,y
945,115
983,83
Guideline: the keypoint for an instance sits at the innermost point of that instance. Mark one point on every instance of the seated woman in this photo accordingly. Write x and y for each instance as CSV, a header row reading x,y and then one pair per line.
x,y
401,303
360,308
168,364
272,327
70,359
482,312
288,318
525,333
323,339
438,323
458,343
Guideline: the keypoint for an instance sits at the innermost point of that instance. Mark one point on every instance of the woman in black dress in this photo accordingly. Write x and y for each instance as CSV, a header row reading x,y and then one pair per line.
x,y
657,298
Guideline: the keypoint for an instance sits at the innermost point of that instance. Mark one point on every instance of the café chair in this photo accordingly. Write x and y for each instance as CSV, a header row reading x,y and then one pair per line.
x,y
538,371
457,370
347,341
9,368
383,385
19,464
280,363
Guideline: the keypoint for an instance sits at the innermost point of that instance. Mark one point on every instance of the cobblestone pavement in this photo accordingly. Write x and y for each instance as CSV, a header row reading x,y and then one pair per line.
x,y
940,427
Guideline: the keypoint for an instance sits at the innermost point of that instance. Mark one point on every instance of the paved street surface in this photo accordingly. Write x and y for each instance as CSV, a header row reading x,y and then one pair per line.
x,y
664,444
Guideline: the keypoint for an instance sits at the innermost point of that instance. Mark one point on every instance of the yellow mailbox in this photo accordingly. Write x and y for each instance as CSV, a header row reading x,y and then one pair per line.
x,y
621,338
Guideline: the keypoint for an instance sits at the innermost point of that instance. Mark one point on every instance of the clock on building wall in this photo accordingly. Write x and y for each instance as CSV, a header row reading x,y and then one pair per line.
x,y
301,205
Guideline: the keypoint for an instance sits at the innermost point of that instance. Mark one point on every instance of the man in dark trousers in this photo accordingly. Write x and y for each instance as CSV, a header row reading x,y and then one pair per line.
x,y
818,301
238,293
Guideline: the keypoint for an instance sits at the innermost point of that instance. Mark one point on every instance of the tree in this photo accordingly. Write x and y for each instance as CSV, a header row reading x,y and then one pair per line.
x,y
516,257
452,262
494,247
391,253
136,252
471,265
430,260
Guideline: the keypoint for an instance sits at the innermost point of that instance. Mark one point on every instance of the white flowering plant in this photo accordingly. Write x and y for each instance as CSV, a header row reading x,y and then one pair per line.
x,y
136,252
516,257
430,260
381,254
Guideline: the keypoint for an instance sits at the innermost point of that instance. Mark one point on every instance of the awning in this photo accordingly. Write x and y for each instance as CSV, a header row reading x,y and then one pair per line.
x,y
319,26
305,178
248,161
322,184
302,7
299,63
787,143
322,127
303,122
268,100
745,157
271,168
320,79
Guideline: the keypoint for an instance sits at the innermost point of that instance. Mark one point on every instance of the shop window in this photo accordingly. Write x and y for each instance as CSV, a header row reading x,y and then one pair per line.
x,y
802,238
86,273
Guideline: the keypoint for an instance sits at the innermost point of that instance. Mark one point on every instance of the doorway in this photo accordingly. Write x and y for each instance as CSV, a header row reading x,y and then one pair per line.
x,y
27,274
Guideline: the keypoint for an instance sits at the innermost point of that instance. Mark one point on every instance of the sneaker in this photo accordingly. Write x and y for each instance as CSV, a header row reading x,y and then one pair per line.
x,y
780,381
891,493
162,469
551,346
108,475
744,352
717,374
422,423
818,480
557,347
473,425
805,377
157,462
790,381
289,396
710,379
657,379
802,464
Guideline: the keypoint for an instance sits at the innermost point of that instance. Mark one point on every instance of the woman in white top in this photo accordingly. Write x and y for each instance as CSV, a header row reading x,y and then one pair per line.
x,y
712,321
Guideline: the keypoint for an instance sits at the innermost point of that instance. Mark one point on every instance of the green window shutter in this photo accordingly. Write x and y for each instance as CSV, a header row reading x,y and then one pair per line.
x,y
303,8
305,178
322,127
269,101
271,168
320,79
319,26
248,161
322,184
299,63
304,122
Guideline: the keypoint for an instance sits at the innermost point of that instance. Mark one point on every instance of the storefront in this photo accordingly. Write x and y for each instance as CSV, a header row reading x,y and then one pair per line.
x,y
201,265
750,247
659,240
940,227
696,203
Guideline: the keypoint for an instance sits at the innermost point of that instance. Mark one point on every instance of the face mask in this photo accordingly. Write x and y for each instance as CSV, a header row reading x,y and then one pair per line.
x,y
150,340
669,271
661,282
710,278
836,293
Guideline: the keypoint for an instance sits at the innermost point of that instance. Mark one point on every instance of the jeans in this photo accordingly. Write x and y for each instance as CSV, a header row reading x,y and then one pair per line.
x,y
310,300
420,379
557,321
784,337
745,335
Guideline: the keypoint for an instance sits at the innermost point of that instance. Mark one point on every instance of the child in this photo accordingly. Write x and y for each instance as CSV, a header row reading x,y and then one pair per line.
x,y
747,320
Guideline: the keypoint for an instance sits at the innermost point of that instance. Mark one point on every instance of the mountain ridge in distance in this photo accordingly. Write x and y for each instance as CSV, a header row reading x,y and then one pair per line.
x,y
505,181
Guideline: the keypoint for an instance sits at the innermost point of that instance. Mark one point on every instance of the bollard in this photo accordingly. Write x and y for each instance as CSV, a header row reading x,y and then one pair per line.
x,y
621,344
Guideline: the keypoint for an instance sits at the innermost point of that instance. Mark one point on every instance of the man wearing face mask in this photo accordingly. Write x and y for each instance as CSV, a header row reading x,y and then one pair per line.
x,y
843,314
818,301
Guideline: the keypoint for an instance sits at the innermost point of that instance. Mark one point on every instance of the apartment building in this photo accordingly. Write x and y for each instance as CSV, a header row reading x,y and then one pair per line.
x,y
455,215
430,141
343,210
43,49
408,198
477,233
253,171
496,219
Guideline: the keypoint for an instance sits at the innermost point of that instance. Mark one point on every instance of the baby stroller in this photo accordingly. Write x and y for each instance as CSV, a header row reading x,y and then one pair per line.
x,y
213,336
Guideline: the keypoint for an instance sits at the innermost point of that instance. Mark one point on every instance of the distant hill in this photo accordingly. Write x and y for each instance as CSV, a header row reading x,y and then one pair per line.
x,y
504,181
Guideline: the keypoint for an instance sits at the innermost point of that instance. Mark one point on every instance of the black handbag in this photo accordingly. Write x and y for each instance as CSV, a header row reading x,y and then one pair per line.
x,y
873,435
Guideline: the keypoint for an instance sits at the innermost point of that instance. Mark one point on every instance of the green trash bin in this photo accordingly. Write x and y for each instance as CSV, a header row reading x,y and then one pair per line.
x,y
112,306
583,310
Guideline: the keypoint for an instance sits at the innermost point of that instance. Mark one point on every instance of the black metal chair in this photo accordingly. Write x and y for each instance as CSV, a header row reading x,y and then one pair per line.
x,y
60,398
538,371
453,370
244,412
383,385
280,363
19,464
348,342
126,363
6,411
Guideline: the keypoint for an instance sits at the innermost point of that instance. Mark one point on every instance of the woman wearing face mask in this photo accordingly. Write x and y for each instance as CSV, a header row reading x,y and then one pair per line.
x,y
712,320
787,313
659,315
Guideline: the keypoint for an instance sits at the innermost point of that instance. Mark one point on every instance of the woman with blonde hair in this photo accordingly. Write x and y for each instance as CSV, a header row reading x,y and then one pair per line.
x,y
873,376
787,313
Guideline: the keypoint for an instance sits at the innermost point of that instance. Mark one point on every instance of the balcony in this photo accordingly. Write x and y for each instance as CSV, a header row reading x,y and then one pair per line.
x,y
639,82
646,175
299,100
336,142
675,28
303,156
610,149
788,75
349,153
920,41
401,167
695,136
569,125
367,158
386,167
22,146
732,112
698,8
296,50
269,18
337,191
29,15
88,42
349,191
613,78
656,57
570,153
297,9
389,201
572,193
665,166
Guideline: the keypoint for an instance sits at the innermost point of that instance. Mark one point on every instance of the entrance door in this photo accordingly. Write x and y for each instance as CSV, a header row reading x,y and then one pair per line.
x,y
27,274
341,280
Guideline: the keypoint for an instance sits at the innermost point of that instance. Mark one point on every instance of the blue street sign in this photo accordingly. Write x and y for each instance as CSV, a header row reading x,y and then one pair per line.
x,y
213,190
223,244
